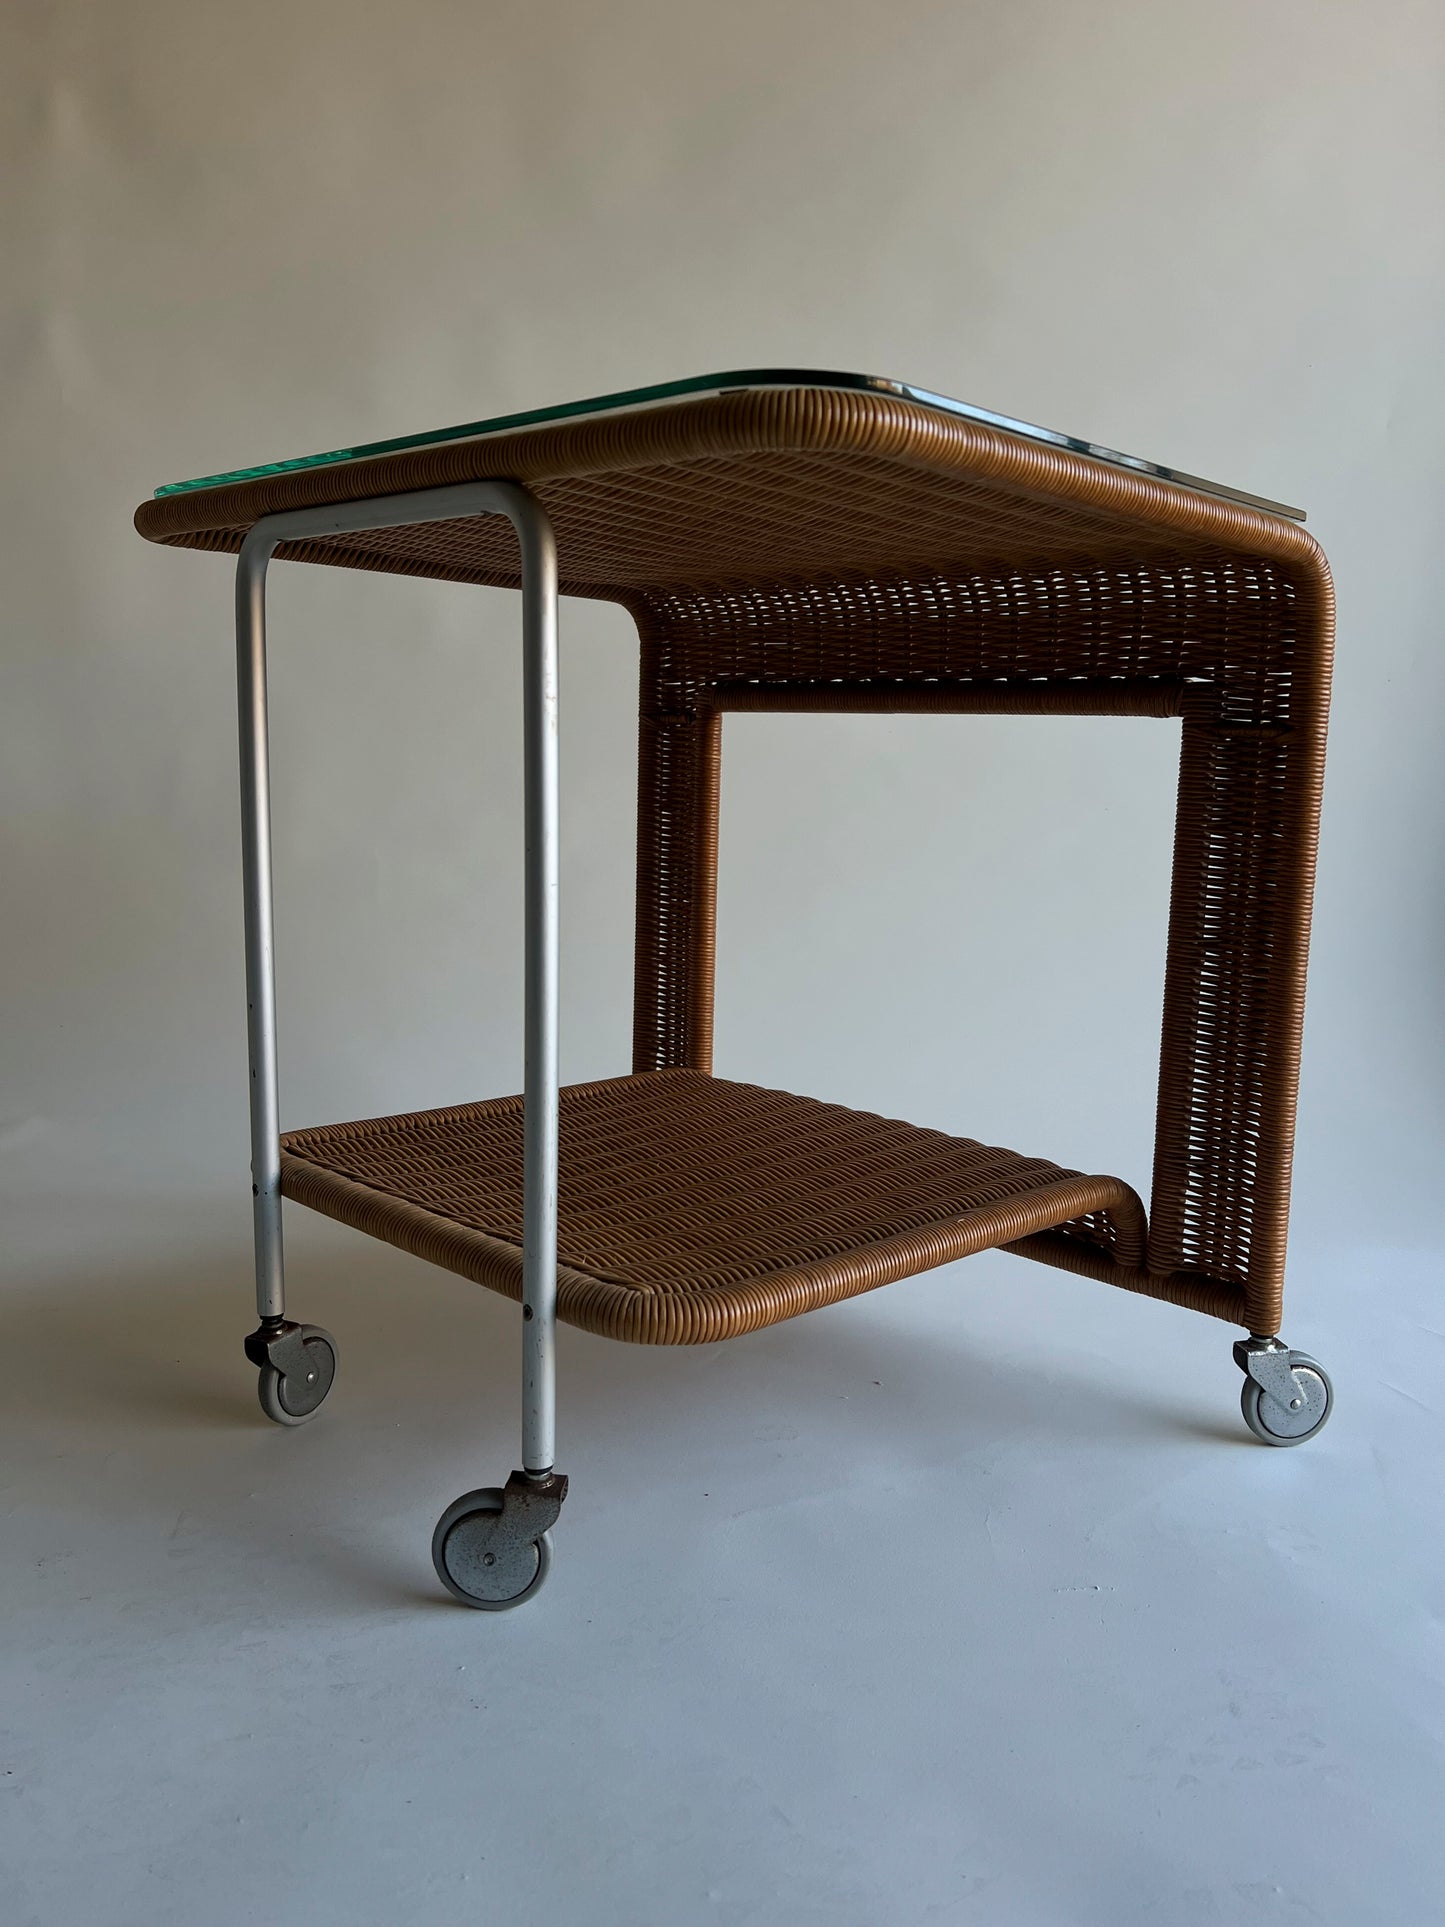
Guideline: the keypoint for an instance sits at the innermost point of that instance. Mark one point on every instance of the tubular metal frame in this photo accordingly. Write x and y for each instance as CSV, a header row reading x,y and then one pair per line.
x,y
540,736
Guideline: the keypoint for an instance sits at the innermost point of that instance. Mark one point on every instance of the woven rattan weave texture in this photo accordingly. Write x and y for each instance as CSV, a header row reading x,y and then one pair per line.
x,y
692,1208
819,550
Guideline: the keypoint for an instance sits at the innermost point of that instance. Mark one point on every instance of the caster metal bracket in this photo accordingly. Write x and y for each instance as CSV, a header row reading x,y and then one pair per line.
x,y
1286,1396
280,1343
1270,1363
497,1555
531,1502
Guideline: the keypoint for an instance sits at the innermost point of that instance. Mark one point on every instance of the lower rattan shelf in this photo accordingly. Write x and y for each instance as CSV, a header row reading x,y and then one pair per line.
x,y
692,1208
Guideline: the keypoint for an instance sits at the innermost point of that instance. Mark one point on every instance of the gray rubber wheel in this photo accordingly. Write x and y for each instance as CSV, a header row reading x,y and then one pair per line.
x,y
482,1568
1276,1424
292,1398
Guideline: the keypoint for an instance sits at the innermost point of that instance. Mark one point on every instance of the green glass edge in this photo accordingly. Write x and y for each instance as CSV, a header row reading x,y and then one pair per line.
x,y
733,379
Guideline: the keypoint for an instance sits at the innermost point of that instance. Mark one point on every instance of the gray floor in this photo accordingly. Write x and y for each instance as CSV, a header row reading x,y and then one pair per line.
x,y
969,1601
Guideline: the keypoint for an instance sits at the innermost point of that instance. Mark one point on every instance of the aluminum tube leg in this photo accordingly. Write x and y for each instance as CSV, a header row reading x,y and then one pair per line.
x,y
492,1548
260,957
539,1171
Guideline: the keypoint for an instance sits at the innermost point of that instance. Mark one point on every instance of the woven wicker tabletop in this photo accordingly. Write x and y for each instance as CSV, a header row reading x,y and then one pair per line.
x,y
692,1208
804,483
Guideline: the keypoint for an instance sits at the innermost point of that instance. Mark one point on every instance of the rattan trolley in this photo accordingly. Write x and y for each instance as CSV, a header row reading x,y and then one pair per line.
x,y
798,541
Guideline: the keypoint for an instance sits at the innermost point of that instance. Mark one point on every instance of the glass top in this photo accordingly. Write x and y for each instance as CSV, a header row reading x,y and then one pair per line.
x,y
632,399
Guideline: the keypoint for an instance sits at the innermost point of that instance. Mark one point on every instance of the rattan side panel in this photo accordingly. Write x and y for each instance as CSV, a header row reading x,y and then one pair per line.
x,y
677,820
1239,645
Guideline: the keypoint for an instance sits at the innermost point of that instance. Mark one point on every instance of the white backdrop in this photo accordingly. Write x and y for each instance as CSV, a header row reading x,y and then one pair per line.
x,y
1209,235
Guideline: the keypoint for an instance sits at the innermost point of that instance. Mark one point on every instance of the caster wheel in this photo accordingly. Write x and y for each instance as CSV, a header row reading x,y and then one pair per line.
x,y
1275,1422
483,1562
292,1397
